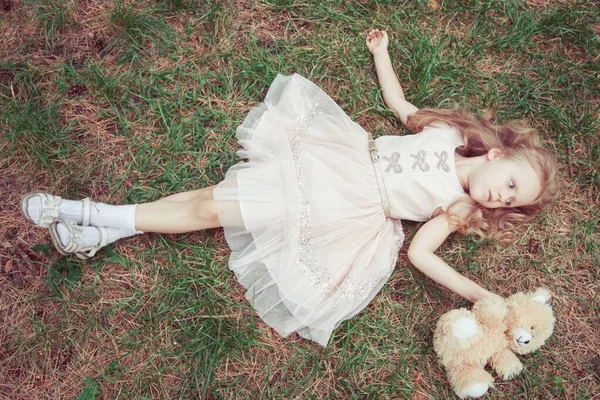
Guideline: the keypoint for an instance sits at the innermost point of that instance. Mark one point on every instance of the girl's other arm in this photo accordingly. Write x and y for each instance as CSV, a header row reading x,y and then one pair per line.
x,y
393,95
421,253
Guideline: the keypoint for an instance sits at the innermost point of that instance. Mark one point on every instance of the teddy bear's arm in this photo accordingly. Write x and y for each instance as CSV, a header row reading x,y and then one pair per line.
x,y
506,363
490,310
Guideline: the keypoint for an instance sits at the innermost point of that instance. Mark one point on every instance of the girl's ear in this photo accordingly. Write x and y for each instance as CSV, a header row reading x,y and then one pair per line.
x,y
495,153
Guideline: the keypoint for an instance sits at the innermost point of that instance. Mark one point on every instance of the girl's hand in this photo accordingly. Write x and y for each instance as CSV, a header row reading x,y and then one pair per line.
x,y
377,41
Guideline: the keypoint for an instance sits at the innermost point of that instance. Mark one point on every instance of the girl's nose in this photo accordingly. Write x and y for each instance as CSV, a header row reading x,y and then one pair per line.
x,y
504,194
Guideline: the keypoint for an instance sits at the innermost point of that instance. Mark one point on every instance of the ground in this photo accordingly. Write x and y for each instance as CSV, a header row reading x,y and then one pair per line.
x,y
128,101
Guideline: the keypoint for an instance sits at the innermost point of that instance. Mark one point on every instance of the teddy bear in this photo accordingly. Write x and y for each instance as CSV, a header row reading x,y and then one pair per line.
x,y
465,341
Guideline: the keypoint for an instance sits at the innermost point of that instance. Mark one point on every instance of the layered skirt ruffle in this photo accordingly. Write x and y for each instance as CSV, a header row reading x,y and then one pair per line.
x,y
302,213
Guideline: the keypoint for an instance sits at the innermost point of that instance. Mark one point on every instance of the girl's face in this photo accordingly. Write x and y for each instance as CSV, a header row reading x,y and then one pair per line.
x,y
504,182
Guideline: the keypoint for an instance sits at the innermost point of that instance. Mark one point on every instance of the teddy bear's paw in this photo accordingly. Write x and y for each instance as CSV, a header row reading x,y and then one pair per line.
x,y
477,390
511,371
464,328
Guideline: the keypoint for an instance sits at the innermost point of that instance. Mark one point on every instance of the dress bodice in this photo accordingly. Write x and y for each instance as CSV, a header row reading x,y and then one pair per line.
x,y
419,171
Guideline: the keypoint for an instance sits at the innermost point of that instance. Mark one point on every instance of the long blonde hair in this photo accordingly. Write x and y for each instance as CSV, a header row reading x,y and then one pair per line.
x,y
515,140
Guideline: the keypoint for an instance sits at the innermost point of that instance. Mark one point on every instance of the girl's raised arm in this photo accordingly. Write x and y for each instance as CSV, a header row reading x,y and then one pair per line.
x,y
393,95
421,253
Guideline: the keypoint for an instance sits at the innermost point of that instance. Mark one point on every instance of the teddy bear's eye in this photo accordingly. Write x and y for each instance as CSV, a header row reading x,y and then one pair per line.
x,y
532,327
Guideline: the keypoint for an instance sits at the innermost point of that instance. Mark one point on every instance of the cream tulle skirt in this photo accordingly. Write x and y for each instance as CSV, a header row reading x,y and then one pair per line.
x,y
302,213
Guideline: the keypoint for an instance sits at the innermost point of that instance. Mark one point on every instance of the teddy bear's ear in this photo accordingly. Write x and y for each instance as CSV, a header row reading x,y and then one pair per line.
x,y
541,296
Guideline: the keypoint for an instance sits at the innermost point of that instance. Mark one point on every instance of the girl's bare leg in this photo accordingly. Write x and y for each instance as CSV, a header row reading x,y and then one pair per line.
x,y
179,213
187,196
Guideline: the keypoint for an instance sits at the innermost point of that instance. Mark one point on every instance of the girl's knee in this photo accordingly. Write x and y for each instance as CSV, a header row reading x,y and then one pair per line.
x,y
208,193
204,193
212,213
204,210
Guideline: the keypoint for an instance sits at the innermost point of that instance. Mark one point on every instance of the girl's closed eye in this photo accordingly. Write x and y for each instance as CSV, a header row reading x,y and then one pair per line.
x,y
511,185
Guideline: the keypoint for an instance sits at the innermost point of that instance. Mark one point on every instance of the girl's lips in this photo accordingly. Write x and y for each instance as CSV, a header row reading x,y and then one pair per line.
x,y
489,196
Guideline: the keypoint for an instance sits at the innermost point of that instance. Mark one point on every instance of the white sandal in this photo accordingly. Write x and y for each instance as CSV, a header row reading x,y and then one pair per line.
x,y
50,209
75,245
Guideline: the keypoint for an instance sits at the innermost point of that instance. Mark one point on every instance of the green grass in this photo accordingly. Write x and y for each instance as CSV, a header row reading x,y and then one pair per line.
x,y
130,101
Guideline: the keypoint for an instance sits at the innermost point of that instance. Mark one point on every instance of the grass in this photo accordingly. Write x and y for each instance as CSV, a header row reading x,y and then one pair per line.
x,y
129,101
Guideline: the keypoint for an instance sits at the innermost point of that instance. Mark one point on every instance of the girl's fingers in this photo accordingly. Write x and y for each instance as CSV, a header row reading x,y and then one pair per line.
x,y
375,35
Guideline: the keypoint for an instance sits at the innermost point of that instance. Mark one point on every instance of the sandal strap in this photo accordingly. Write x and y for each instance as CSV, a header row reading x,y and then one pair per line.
x,y
91,251
75,240
103,236
75,245
75,231
50,209
85,218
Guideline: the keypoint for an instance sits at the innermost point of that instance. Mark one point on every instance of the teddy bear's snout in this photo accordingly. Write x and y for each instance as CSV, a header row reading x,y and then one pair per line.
x,y
522,337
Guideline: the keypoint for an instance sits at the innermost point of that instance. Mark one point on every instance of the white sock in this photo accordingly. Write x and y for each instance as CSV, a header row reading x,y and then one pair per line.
x,y
122,217
91,236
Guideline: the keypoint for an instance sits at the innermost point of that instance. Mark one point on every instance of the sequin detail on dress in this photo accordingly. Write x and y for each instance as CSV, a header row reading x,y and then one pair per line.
x,y
350,287
420,161
443,161
305,258
393,163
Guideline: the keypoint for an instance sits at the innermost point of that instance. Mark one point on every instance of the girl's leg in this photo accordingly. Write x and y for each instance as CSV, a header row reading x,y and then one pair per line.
x,y
191,195
179,213
187,211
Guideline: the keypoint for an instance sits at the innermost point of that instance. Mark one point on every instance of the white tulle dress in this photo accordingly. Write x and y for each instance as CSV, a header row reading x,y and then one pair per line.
x,y
303,212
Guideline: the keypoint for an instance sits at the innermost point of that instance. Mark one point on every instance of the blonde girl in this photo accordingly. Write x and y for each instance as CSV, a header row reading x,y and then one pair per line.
x,y
313,215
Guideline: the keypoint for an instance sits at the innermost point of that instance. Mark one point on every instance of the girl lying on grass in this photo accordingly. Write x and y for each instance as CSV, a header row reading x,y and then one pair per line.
x,y
313,216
